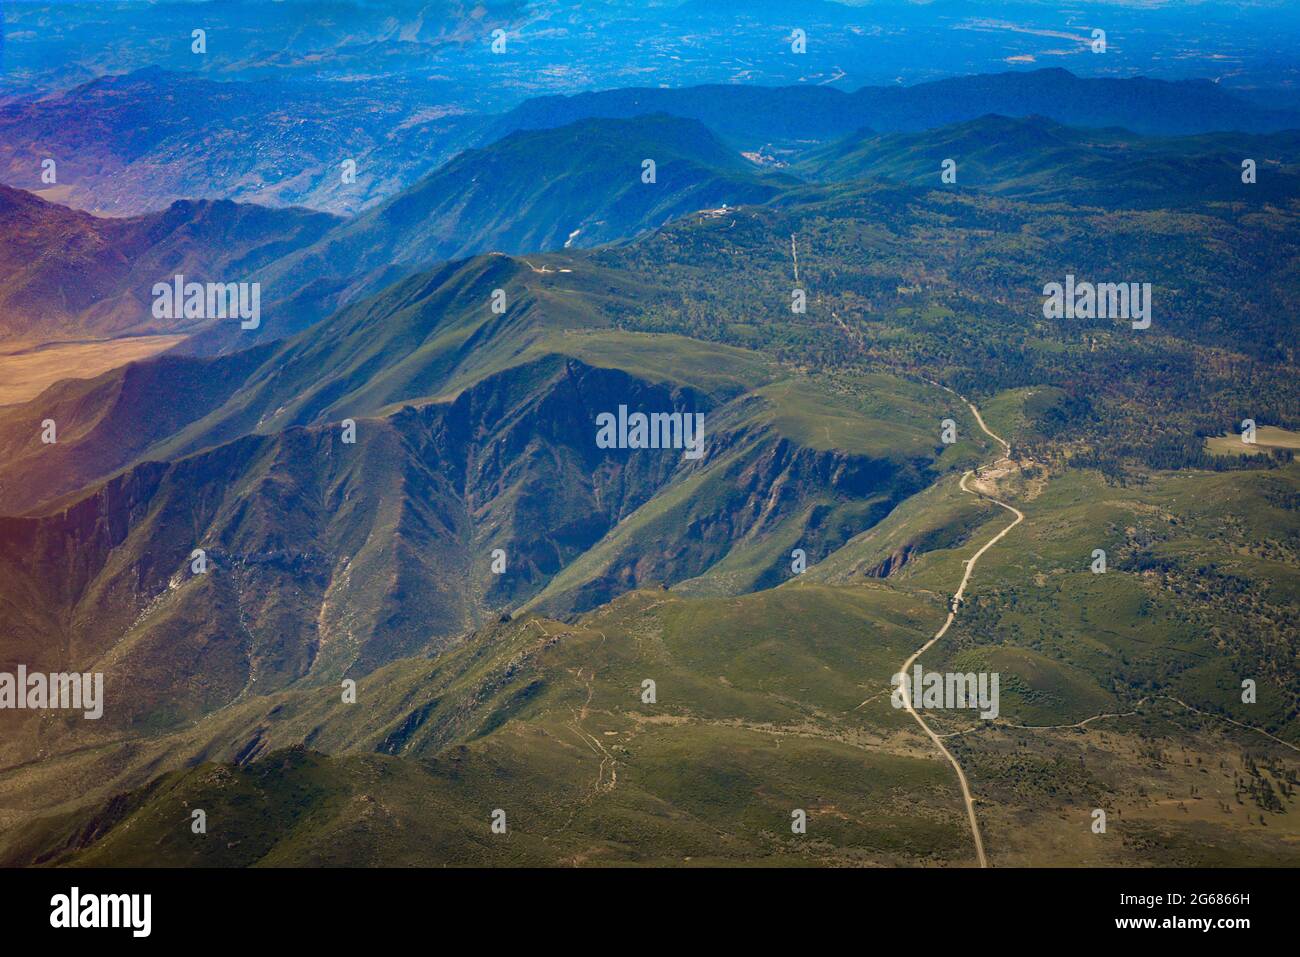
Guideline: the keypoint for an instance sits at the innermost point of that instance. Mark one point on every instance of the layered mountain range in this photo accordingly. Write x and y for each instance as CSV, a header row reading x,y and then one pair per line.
x,y
134,143
395,480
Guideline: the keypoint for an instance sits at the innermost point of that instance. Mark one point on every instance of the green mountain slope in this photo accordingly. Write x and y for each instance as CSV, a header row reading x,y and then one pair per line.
x,y
328,558
765,703
915,281
532,191
1035,158
545,721
476,431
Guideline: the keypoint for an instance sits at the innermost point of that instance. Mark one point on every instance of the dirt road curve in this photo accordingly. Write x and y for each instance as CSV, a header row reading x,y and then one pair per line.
x,y
952,614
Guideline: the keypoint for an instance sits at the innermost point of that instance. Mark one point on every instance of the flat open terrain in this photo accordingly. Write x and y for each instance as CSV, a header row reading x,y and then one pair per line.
x,y
27,370
1266,437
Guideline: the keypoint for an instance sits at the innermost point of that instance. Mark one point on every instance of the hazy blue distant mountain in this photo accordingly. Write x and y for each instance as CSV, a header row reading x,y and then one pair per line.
x,y
136,142
567,46
755,115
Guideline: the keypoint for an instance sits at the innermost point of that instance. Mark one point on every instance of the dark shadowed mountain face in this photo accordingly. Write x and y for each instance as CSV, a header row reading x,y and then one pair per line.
x,y
300,527
330,557
326,557
723,277
67,274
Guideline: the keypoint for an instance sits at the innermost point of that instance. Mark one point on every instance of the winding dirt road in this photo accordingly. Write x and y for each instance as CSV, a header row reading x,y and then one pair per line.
x,y
952,614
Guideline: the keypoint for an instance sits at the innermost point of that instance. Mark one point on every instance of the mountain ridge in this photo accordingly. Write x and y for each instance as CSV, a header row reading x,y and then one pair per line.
x,y
1038,159
760,114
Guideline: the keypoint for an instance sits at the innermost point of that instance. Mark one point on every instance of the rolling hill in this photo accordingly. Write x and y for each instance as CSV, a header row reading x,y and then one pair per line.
x,y
1038,159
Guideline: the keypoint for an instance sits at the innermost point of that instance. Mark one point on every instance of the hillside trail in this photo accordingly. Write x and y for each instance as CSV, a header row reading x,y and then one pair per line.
x,y
952,614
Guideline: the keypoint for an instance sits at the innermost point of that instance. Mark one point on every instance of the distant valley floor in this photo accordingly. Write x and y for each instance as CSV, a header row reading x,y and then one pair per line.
x,y
27,369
